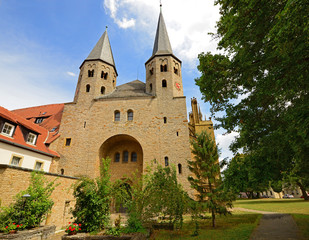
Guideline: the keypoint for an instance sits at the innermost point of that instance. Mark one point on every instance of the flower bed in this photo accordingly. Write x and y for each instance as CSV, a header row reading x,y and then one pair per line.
x,y
35,233
84,236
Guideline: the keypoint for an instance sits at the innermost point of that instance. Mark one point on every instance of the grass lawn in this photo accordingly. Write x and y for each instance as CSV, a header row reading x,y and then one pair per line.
x,y
275,205
238,226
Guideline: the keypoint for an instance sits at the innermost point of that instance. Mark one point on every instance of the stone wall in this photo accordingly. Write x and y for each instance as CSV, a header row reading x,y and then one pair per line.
x,y
15,179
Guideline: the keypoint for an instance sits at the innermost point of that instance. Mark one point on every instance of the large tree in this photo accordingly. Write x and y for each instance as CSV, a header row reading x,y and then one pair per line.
x,y
261,82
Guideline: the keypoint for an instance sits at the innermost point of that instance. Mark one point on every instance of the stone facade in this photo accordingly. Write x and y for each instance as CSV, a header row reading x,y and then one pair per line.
x,y
15,179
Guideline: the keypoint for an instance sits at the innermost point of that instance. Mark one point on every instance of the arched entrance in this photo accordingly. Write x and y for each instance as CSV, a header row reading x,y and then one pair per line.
x,y
126,156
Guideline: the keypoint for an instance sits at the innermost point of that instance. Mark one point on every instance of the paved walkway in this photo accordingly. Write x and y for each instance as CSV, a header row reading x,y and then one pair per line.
x,y
274,226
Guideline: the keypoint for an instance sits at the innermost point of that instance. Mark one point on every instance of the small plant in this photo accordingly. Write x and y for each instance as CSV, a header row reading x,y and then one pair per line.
x,y
114,231
12,227
73,228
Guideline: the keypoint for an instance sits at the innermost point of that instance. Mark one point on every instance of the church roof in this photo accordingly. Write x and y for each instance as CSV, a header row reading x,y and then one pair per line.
x,y
102,50
162,43
135,88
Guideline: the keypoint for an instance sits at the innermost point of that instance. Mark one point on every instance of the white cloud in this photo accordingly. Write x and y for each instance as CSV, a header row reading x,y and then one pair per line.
x,y
71,74
224,140
188,23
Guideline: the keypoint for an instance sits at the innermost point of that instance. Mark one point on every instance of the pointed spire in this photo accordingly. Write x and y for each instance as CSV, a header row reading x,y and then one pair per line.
x,y
102,50
162,43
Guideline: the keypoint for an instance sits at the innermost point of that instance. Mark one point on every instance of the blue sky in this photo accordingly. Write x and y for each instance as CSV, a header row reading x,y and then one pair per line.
x,y
43,43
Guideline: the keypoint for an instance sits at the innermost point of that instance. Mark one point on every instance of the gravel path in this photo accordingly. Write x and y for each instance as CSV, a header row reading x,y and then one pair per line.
x,y
273,226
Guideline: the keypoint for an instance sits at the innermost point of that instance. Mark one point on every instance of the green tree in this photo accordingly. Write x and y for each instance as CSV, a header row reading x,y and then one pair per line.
x,y
261,82
206,179
31,211
93,199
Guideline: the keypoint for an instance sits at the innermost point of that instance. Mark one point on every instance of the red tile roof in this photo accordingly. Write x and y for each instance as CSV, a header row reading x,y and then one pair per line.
x,y
18,138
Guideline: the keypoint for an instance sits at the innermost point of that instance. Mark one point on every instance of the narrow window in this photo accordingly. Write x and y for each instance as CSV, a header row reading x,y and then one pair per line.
x,y
16,161
176,71
151,71
31,138
38,166
102,90
150,87
130,115
117,116
177,134
165,120
102,74
163,68
125,158
90,73
62,171
68,141
166,161
133,157
87,88
164,84
8,129
105,76
85,124
179,168
117,157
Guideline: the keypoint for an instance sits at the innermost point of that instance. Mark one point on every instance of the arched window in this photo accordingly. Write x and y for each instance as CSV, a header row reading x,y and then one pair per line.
x,y
179,168
117,157
117,116
102,90
164,84
133,157
163,68
130,115
104,75
165,119
125,157
90,73
87,88
150,85
166,161
62,171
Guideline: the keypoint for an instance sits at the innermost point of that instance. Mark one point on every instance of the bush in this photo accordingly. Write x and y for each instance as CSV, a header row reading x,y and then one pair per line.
x,y
93,199
32,211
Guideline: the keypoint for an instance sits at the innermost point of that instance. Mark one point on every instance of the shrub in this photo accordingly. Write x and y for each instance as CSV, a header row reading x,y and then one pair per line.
x,y
93,198
32,211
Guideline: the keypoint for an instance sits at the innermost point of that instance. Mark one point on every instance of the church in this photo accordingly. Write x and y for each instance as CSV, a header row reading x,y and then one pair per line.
x,y
134,124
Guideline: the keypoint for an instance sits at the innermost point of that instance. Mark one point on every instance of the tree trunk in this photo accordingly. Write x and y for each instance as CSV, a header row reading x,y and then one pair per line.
x,y
303,190
213,215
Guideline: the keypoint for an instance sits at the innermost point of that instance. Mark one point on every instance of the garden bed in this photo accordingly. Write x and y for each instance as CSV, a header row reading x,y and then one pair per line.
x,y
85,236
31,234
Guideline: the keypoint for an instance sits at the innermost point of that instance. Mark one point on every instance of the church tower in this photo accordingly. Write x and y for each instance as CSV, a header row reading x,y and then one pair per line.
x,y
163,69
97,73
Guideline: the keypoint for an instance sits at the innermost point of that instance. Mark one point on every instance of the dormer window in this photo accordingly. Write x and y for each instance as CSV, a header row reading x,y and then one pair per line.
x,y
39,120
8,129
90,73
31,138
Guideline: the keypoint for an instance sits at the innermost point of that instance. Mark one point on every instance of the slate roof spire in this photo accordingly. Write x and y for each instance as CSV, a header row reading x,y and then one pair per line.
x,y
162,43
102,50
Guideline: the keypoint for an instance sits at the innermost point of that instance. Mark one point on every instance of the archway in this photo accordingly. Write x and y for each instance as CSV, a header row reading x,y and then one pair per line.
x,y
126,156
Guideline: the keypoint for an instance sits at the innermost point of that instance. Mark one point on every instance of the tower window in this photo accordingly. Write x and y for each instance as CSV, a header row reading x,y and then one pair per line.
x,y
90,73
68,141
164,84
117,116
62,171
177,133
104,75
163,68
166,161
151,71
179,168
150,86
117,157
125,158
87,88
130,115
165,119
102,90
175,70
133,157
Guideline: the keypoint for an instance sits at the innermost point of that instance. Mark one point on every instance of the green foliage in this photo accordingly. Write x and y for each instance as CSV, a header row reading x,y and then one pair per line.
x,y
206,179
31,211
261,82
157,193
93,198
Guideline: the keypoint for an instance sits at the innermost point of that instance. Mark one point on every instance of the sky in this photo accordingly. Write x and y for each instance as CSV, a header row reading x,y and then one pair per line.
x,y
44,42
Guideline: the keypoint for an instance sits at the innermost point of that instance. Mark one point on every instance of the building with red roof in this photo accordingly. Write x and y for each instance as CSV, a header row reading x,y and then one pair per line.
x,y
24,143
